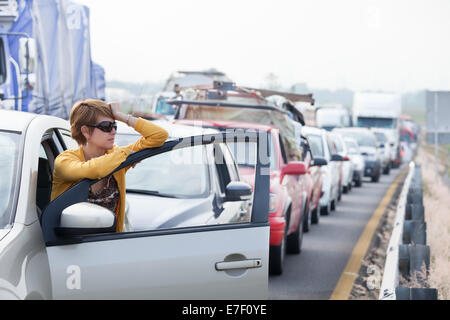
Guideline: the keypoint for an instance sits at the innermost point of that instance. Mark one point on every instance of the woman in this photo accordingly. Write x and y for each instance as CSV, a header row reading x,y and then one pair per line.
x,y
93,126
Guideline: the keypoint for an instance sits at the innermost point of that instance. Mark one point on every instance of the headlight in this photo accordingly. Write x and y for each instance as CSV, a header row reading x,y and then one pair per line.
x,y
273,204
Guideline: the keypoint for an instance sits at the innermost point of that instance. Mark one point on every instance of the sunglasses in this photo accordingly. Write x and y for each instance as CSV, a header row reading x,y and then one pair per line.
x,y
105,126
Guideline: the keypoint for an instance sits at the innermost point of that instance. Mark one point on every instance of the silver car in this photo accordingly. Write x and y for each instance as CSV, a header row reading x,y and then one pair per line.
x,y
67,248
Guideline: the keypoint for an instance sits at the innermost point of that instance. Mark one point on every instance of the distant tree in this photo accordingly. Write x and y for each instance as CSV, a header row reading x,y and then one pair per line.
x,y
271,81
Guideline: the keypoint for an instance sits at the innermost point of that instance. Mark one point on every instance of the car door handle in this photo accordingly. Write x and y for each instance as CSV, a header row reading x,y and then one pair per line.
x,y
241,264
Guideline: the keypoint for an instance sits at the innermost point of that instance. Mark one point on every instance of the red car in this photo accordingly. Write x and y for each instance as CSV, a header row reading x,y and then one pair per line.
x,y
291,186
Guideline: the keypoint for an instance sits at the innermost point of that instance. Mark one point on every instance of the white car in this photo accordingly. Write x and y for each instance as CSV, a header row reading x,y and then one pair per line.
x,y
347,167
67,248
385,149
357,160
321,147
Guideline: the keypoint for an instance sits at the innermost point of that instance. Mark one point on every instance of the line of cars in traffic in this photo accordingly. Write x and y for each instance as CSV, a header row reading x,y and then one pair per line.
x,y
303,185
208,215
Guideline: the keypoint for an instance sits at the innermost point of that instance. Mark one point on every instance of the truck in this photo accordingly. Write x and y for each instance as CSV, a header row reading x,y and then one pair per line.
x,y
381,111
45,57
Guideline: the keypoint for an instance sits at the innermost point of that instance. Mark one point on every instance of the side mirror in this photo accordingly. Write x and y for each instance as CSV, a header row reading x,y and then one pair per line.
x,y
392,144
293,168
86,218
337,157
237,191
319,162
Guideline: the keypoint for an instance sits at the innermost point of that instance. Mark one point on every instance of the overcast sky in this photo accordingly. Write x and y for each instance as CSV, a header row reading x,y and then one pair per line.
x,y
395,45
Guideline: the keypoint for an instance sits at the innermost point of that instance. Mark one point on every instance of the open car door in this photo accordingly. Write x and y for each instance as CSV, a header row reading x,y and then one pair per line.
x,y
88,260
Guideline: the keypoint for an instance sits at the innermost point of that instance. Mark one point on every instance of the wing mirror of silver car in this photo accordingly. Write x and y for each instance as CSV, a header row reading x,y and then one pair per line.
x,y
238,191
86,218
319,162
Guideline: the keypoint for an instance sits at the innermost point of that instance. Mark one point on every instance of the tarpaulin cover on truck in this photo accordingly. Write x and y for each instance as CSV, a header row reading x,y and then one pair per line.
x,y
65,72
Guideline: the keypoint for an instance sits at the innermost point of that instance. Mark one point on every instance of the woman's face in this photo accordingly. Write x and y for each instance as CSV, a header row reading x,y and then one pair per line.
x,y
101,139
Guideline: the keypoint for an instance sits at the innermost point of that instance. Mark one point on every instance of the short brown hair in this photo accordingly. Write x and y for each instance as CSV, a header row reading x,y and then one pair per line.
x,y
86,112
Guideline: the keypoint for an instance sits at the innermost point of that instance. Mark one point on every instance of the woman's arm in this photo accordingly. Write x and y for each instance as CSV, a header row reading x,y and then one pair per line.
x,y
152,134
69,167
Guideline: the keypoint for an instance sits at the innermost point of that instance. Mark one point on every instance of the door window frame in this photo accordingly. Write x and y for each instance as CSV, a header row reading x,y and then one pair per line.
x,y
79,192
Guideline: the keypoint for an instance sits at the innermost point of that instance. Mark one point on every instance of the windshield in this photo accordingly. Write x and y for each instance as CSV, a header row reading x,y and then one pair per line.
x,y
363,139
352,147
180,173
162,107
245,154
9,149
388,123
315,141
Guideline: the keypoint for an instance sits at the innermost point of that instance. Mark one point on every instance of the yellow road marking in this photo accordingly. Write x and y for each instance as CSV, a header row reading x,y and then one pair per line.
x,y
351,270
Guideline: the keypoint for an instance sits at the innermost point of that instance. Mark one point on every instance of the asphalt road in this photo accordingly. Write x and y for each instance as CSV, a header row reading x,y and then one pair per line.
x,y
314,273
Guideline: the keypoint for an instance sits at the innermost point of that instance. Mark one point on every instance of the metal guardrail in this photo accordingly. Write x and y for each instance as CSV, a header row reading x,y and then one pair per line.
x,y
407,253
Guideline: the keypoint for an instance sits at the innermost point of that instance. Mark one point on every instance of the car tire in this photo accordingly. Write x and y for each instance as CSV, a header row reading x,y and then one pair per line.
x,y
307,220
325,210
294,240
376,178
276,257
386,170
340,194
315,216
358,183
345,189
333,205
350,186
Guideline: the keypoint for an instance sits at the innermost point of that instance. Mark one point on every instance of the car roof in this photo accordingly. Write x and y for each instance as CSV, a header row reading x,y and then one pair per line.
x,y
12,120
352,129
174,130
229,124
312,130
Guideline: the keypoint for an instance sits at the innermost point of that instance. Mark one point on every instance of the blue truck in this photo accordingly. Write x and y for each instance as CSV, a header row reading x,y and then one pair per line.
x,y
45,57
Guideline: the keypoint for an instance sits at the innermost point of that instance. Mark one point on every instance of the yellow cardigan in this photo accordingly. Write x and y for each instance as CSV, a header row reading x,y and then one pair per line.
x,y
71,167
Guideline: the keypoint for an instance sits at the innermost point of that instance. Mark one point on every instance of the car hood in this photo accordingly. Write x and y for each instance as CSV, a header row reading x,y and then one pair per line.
x,y
151,212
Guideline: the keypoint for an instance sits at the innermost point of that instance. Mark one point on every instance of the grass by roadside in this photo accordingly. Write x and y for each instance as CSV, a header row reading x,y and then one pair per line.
x,y
437,216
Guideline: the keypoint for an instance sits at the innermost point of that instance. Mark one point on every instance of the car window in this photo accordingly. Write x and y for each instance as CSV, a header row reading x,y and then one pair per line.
x,y
315,141
338,144
245,153
283,150
9,150
180,173
69,141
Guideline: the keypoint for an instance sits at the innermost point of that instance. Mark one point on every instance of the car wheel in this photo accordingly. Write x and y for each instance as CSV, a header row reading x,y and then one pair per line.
x,y
345,189
350,185
276,257
307,220
386,170
376,178
315,216
324,211
358,183
294,241
333,205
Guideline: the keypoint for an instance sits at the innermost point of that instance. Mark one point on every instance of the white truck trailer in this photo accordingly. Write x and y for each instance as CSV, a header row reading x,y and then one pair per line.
x,y
381,111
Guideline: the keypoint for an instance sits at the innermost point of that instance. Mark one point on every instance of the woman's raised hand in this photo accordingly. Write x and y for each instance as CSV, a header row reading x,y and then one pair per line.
x,y
115,108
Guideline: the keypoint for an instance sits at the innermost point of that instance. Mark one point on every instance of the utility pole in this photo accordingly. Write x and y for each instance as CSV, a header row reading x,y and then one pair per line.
x,y
436,153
